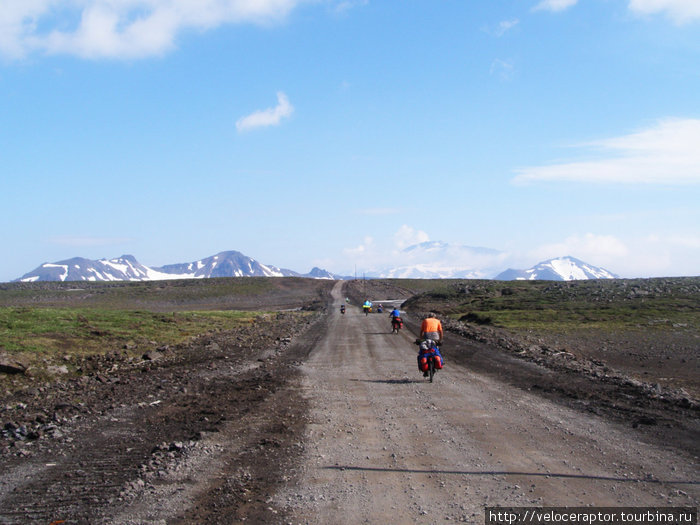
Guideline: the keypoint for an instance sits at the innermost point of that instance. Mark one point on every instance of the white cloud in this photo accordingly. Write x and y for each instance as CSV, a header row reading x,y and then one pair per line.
x,y
407,236
554,5
372,253
267,117
361,250
681,11
505,26
589,248
662,255
121,28
666,153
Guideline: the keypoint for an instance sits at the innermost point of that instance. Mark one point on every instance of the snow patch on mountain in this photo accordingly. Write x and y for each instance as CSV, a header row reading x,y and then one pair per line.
x,y
124,268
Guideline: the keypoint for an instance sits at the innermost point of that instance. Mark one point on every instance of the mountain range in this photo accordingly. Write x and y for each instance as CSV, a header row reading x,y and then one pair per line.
x,y
127,268
426,260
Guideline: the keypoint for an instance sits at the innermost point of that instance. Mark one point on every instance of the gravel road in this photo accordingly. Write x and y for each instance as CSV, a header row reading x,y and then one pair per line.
x,y
386,446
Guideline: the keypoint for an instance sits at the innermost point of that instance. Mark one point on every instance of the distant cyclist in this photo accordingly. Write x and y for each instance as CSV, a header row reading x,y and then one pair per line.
x,y
396,321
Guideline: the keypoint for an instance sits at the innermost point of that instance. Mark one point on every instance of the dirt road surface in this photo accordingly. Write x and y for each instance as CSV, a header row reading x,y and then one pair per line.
x,y
325,423
386,446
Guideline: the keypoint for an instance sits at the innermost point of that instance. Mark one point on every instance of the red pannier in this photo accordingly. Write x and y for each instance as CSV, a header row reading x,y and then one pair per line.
x,y
423,360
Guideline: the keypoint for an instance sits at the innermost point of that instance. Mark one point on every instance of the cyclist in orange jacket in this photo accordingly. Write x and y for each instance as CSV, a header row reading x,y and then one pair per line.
x,y
429,343
431,328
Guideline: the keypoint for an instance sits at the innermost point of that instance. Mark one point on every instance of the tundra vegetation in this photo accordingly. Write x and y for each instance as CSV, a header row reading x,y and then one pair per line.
x,y
51,326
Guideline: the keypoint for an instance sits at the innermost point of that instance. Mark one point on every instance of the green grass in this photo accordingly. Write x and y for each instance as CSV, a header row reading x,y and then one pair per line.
x,y
52,331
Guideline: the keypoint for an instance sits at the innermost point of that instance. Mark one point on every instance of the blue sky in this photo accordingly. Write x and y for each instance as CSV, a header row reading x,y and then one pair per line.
x,y
335,133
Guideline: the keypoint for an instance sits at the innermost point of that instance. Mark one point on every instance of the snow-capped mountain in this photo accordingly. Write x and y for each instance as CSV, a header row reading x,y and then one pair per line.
x,y
124,268
441,260
560,269
224,264
127,268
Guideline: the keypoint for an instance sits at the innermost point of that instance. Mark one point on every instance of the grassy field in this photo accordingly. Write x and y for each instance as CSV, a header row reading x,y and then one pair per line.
x,y
54,323
43,339
50,331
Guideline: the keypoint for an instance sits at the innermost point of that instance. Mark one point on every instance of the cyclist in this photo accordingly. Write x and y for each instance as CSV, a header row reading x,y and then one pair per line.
x,y
431,335
431,328
428,349
396,320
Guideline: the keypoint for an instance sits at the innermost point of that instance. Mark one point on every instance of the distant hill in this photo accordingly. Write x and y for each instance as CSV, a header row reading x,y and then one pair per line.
x,y
560,269
318,273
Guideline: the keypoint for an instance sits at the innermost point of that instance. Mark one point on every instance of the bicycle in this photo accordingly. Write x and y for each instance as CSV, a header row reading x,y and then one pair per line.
x,y
429,358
